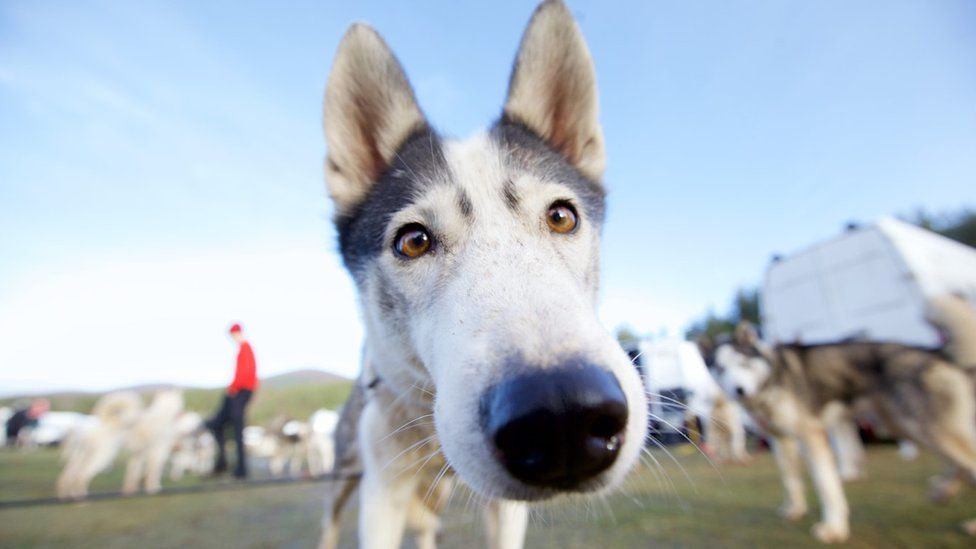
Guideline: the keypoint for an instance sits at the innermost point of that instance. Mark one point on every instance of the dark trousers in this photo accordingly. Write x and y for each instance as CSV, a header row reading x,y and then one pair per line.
x,y
231,411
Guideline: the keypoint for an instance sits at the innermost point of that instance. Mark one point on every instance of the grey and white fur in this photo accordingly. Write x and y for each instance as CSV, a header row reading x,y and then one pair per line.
x,y
498,304
799,392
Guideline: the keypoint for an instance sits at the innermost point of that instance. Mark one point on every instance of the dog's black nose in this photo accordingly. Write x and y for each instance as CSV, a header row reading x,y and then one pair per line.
x,y
556,429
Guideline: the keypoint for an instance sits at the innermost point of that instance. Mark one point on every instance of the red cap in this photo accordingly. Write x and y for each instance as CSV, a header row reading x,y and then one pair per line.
x,y
234,328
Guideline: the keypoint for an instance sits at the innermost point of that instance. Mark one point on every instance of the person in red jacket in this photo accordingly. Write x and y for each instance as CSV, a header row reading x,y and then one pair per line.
x,y
235,401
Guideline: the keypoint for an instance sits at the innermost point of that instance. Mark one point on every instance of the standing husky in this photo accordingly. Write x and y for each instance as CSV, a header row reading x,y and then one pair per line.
x,y
477,268
121,423
921,394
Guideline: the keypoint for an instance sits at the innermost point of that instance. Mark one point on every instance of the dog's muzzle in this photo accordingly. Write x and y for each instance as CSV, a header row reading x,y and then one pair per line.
x,y
556,429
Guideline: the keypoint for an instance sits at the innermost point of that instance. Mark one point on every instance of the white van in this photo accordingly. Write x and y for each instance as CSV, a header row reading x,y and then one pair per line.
x,y
676,378
870,283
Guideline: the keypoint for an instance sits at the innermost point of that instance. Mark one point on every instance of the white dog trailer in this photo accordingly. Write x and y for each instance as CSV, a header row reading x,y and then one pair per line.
x,y
870,283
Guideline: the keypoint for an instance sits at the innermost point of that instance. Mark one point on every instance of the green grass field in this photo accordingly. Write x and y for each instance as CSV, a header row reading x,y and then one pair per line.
x,y
695,507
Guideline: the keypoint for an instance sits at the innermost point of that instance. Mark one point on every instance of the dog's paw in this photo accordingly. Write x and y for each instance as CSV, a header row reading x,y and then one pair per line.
x,y
969,527
792,512
942,489
830,533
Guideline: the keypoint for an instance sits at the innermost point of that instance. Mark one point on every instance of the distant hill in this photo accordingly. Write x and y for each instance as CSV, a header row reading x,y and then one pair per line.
x,y
302,377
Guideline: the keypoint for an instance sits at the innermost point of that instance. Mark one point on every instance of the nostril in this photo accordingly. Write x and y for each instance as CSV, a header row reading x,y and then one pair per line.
x,y
609,422
558,428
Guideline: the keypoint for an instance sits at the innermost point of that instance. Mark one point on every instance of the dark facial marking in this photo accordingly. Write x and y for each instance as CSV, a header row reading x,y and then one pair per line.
x,y
390,300
464,203
528,151
511,195
418,162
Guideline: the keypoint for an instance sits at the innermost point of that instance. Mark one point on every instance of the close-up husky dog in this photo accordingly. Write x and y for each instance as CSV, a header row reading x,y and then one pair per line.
x,y
797,392
477,266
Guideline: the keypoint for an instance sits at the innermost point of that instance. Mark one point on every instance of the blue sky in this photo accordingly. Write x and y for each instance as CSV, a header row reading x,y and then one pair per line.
x,y
161,162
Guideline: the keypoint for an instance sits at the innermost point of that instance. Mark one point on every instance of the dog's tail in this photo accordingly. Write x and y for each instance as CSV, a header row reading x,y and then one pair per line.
x,y
955,319
120,409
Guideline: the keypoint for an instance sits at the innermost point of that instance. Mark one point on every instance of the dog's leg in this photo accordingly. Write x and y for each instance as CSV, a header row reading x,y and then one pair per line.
x,y
834,515
346,437
96,457
74,452
506,522
155,463
952,431
955,439
328,456
133,473
738,436
312,457
384,495
425,522
383,510
297,460
67,480
178,466
849,449
787,452
429,502
341,490
947,485
276,464
426,538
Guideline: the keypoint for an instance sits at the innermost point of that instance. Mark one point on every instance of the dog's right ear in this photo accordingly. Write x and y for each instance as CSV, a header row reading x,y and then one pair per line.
x,y
552,90
745,334
370,109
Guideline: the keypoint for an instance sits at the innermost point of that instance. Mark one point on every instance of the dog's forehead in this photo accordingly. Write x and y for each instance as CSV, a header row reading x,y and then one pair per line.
x,y
491,171
525,152
747,351
504,168
730,355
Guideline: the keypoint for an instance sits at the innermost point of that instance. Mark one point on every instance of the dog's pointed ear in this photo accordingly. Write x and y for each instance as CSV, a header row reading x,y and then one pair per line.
x,y
370,109
745,334
552,90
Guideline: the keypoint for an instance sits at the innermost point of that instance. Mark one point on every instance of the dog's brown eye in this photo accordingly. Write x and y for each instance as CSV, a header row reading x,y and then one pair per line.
x,y
412,241
562,218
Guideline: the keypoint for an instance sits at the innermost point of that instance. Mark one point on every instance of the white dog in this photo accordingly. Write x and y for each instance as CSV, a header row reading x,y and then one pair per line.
x,y
121,422
477,265
286,446
800,393
195,448
321,450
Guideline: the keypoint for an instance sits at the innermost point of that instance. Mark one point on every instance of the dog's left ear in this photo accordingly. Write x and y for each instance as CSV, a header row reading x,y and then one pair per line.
x,y
553,88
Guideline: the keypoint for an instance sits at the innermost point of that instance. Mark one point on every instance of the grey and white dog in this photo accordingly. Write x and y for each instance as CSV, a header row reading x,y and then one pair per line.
x,y
477,266
798,392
